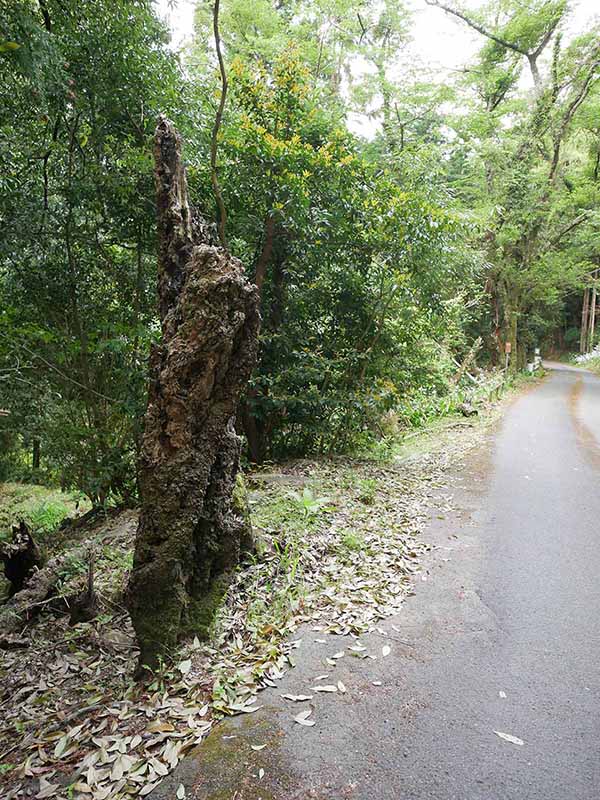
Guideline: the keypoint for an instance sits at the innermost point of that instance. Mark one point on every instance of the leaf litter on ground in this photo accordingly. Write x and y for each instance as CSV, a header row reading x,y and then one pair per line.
x,y
69,709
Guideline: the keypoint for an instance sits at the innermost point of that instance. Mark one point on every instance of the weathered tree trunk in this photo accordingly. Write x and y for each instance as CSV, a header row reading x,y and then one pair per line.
x,y
190,533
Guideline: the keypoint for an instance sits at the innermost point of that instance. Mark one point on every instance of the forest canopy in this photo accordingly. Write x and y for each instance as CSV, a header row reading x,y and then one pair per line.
x,y
470,214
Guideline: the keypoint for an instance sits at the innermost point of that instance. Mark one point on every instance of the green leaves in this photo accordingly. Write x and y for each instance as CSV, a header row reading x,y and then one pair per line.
x,y
307,501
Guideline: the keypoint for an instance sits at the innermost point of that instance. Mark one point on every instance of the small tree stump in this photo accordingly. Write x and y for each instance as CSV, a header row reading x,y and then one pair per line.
x,y
21,557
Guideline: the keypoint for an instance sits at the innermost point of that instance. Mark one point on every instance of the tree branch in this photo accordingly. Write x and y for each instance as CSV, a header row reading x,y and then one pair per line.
x,y
577,221
477,27
531,56
569,113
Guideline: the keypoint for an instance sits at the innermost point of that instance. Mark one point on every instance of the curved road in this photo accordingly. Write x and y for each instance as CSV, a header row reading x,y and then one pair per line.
x,y
504,636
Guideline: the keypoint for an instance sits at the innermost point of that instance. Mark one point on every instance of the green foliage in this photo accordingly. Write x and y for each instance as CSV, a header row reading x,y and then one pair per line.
x,y
78,101
355,266
528,172
73,566
308,503
472,212
355,542
42,509
367,491
46,517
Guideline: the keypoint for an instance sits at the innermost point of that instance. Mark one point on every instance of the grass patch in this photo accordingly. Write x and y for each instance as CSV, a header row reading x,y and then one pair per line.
x,y
355,542
42,509
367,491
283,509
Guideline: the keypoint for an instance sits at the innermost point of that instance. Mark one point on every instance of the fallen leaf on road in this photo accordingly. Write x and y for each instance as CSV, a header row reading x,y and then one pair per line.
x,y
376,683
258,746
261,773
302,718
386,650
502,694
180,793
297,698
509,738
341,687
327,688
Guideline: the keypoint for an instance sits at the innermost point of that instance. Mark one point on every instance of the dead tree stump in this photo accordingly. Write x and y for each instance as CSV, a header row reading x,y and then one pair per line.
x,y
21,557
189,534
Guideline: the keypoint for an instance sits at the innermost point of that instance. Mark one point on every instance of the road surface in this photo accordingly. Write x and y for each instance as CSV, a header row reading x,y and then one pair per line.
x,y
503,636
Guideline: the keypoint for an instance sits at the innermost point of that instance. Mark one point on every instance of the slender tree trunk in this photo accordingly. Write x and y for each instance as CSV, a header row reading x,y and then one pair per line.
x,y
512,337
583,337
190,532
258,428
592,320
35,454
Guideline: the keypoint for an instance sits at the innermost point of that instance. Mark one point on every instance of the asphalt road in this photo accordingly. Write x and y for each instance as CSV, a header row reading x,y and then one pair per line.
x,y
504,635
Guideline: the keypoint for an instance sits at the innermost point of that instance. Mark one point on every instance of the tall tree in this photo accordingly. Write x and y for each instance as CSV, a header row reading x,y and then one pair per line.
x,y
521,143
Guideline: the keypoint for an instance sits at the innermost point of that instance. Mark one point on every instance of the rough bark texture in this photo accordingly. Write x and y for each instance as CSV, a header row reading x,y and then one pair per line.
x,y
21,557
190,533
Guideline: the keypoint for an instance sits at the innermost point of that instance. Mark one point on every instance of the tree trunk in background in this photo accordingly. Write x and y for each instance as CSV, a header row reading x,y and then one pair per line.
x,y
35,455
258,426
190,533
592,320
584,321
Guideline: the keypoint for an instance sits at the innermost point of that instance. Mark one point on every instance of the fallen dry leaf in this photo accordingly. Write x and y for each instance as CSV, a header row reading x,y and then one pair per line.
x,y
510,738
302,718
298,698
